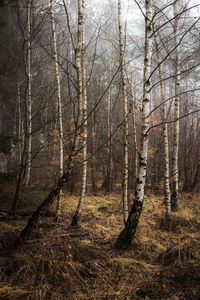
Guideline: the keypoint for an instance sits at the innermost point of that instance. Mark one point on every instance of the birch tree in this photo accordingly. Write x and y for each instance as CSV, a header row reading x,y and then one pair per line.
x,y
58,105
133,115
127,234
49,199
108,180
77,214
125,115
165,132
175,171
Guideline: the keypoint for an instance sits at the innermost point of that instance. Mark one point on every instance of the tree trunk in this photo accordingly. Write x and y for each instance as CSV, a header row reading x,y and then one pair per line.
x,y
108,181
126,236
77,214
94,186
165,135
42,209
28,103
26,232
125,116
58,106
175,171
134,130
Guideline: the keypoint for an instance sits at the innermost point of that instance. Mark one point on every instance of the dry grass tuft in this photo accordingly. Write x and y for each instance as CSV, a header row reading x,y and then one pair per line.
x,y
61,262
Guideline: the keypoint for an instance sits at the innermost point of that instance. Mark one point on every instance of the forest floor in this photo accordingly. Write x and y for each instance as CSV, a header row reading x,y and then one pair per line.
x,y
61,262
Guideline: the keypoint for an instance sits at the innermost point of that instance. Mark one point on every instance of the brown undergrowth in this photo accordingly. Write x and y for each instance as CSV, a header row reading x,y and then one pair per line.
x,y
61,262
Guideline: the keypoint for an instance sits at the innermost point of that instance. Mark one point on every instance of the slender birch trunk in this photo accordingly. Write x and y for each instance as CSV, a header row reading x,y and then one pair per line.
x,y
108,181
42,209
134,127
110,162
165,135
185,162
94,187
125,116
29,100
58,106
175,171
127,234
77,214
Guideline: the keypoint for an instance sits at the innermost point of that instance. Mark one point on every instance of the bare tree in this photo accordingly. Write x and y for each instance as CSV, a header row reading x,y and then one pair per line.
x,y
126,236
77,214
125,116
175,181
58,105
165,133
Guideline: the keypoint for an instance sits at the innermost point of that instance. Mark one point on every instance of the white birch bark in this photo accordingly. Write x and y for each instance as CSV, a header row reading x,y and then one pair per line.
x,y
125,116
94,187
175,171
41,210
134,127
126,236
29,100
165,134
58,106
84,100
110,162
109,181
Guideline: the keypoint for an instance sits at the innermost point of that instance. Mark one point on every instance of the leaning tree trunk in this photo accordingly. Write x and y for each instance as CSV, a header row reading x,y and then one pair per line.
x,y
58,106
165,135
125,116
28,104
77,214
42,209
175,171
127,234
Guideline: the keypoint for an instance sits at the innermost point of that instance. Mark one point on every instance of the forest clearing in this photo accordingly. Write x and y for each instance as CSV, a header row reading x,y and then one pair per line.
x,y
63,262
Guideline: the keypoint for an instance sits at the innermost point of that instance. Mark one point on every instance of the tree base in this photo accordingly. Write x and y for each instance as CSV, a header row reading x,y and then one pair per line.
x,y
122,241
75,221
174,207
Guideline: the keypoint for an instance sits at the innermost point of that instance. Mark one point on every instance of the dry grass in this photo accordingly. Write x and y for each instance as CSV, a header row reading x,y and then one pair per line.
x,y
60,262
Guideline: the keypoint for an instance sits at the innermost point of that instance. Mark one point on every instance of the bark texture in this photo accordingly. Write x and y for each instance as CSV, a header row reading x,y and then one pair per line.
x,y
175,171
167,192
125,116
58,106
42,209
109,175
126,236
32,223
77,214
